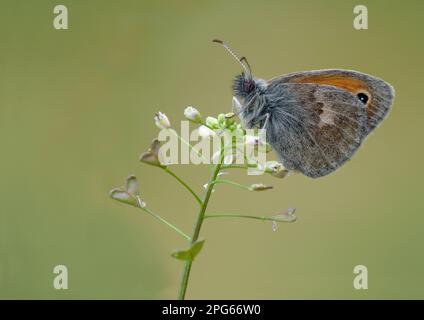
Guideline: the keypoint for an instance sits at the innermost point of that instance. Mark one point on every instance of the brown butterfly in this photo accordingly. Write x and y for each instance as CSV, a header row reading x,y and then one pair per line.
x,y
315,120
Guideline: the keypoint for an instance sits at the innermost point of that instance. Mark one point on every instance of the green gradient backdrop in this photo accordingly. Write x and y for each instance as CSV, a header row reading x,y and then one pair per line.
x,y
76,110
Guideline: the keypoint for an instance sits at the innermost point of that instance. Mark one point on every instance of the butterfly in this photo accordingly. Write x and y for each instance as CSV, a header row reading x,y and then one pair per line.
x,y
314,120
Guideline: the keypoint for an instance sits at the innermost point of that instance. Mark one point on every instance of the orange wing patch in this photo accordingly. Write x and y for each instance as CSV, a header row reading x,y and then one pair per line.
x,y
352,85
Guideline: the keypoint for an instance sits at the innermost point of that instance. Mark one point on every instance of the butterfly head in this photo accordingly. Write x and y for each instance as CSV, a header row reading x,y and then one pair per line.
x,y
243,86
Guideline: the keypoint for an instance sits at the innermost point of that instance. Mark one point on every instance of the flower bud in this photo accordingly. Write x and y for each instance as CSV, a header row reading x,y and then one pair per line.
x,y
212,122
205,132
192,114
229,118
259,187
276,169
221,120
161,121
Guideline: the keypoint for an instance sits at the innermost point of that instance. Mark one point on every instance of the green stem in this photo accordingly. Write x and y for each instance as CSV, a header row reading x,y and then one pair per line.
x,y
231,183
158,217
239,166
244,166
198,226
262,218
184,184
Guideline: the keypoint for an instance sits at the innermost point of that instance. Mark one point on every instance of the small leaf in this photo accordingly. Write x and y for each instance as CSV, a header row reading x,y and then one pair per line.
x,y
123,196
287,216
190,254
182,255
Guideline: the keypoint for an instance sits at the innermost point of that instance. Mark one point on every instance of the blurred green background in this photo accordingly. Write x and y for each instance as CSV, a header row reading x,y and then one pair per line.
x,y
76,110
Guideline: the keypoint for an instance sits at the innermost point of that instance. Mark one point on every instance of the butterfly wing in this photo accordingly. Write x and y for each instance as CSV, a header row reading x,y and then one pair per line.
x,y
319,119
379,93
314,128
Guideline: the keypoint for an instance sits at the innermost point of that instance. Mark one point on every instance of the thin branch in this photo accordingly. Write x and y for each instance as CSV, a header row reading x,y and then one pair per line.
x,y
223,181
183,183
262,218
239,166
158,217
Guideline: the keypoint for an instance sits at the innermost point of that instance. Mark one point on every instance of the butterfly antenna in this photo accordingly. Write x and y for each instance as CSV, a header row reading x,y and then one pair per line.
x,y
244,60
245,67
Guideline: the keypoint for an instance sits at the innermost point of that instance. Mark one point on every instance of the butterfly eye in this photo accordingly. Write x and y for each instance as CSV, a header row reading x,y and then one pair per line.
x,y
363,97
248,86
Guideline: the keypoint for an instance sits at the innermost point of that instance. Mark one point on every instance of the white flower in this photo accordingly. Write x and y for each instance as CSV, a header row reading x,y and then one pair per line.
x,y
161,121
192,114
205,132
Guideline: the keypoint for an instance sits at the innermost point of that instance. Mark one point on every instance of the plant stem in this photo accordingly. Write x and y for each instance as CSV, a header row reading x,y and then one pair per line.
x,y
166,223
184,184
262,218
239,166
198,226
244,166
231,183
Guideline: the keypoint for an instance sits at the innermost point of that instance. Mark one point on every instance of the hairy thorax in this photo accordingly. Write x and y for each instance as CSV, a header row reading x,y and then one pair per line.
x,y
251,100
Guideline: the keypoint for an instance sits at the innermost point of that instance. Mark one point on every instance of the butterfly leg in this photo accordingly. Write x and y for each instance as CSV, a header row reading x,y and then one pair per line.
x,y
266,121
236,104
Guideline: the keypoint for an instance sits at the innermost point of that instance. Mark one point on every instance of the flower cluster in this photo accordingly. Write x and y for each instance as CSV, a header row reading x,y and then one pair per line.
x,y
209,127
